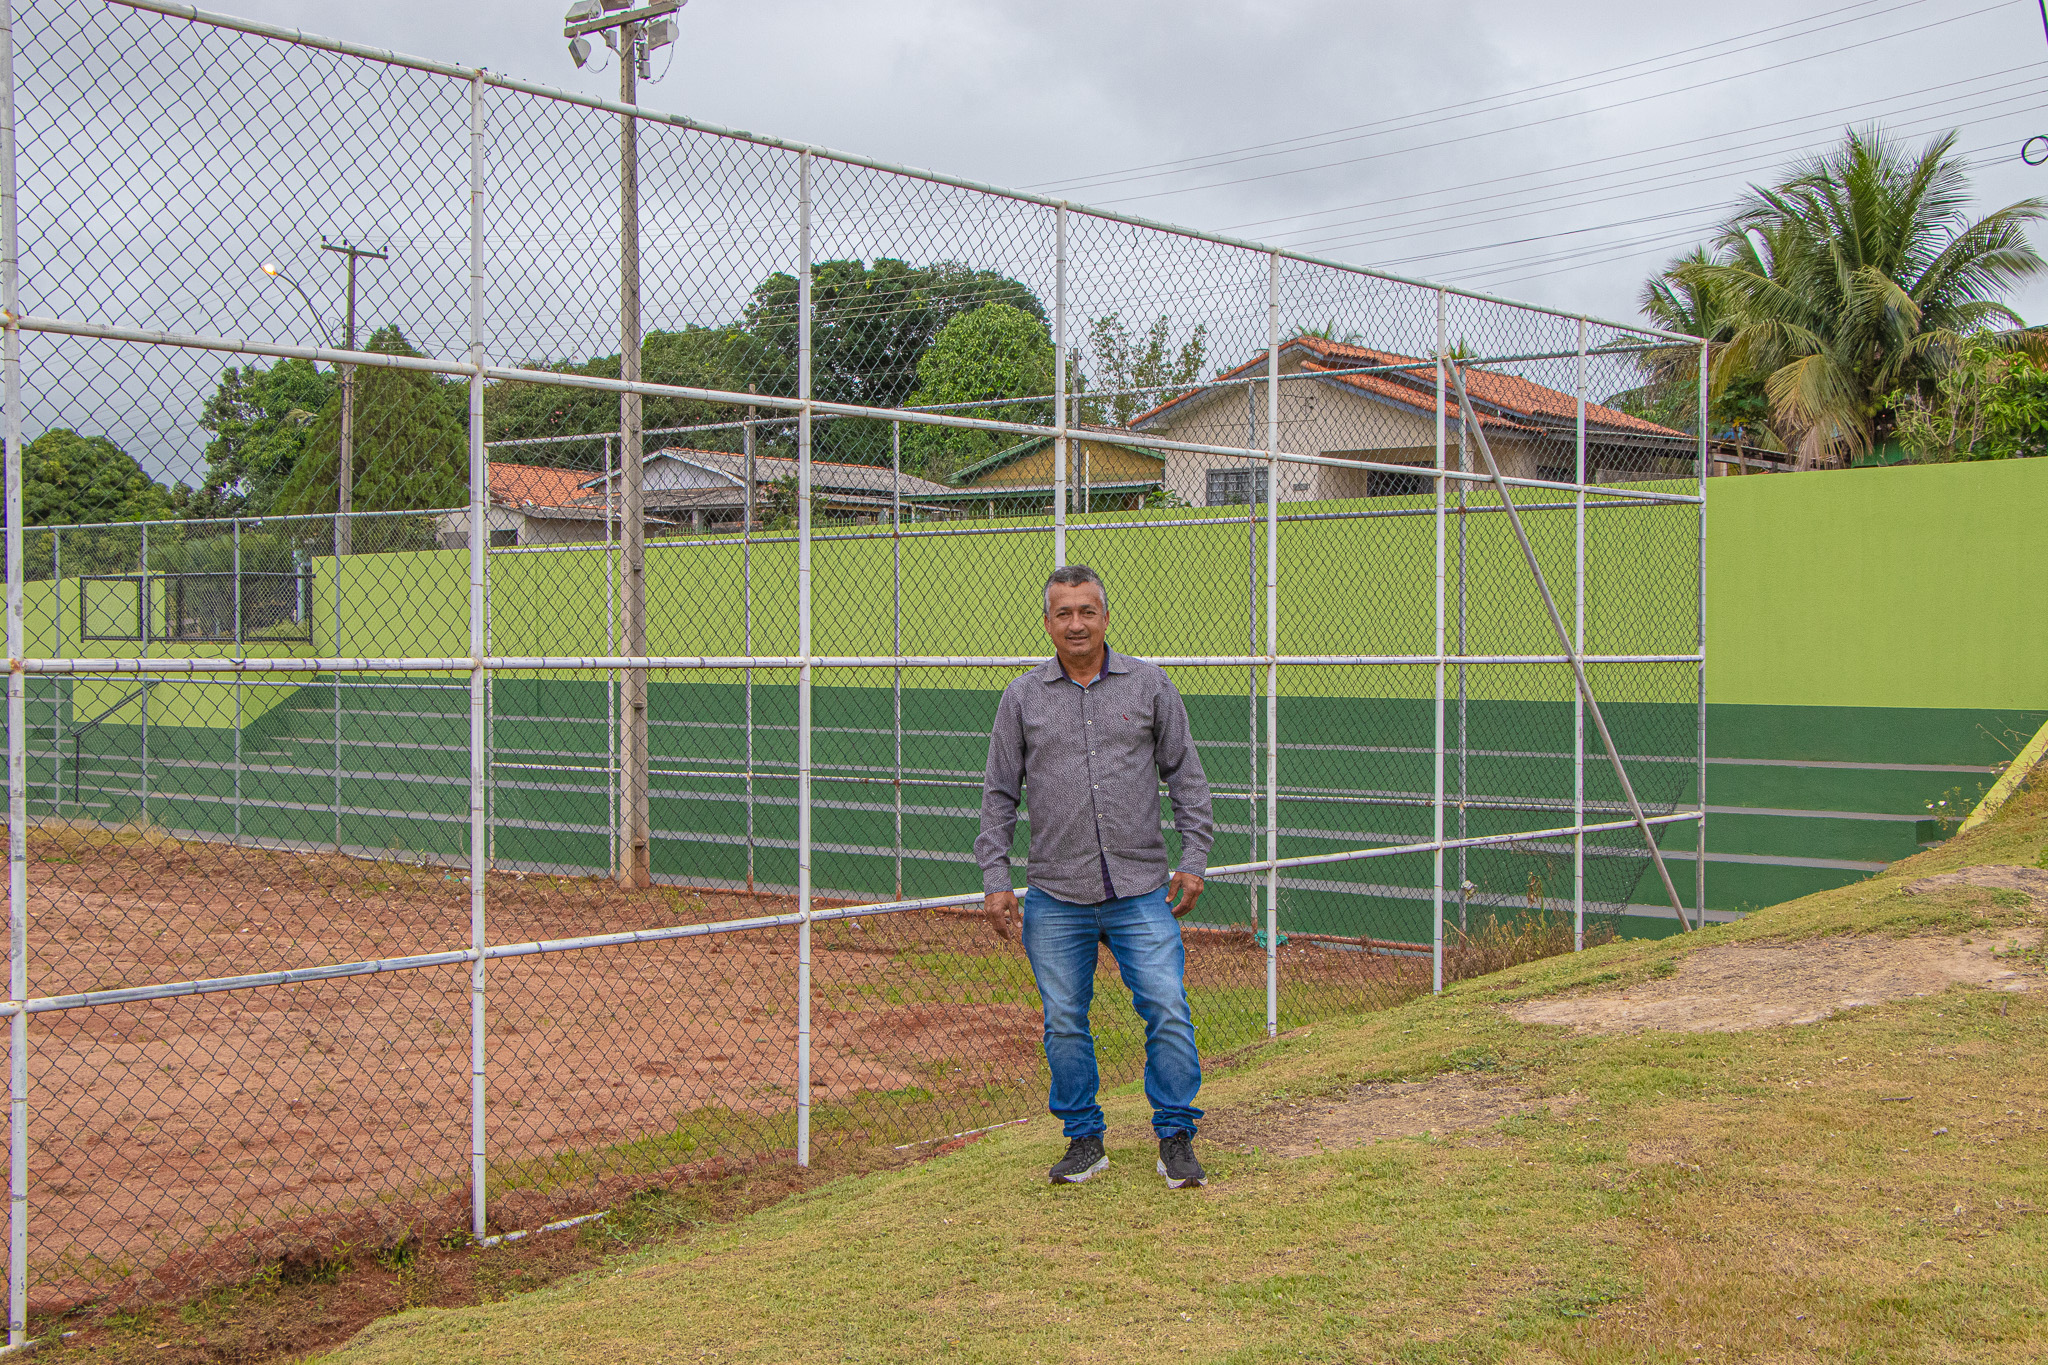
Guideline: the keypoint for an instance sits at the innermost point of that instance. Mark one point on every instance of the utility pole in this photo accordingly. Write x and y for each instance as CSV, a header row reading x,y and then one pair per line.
x,y
345,502
633,33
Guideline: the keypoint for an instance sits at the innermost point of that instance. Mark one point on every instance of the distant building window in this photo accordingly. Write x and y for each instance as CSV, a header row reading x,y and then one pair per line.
x,y
1556,473
507,536
1227,486
1380,483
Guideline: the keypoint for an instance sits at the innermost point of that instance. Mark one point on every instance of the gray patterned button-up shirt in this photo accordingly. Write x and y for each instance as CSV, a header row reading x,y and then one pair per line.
x,y
1092,759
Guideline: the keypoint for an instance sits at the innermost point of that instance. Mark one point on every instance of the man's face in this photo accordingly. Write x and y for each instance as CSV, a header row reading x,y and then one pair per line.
x,y
1076,619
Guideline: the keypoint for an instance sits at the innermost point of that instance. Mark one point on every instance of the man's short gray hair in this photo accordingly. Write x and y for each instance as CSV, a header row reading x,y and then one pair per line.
x,y
1073,576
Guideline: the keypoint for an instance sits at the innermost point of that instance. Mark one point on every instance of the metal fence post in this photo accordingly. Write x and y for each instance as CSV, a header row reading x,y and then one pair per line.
x,y
1059,385
238,678
611,681
1273,644
896,616
747,627
1252,504
1579,635
803,649
1436,896
17,733
1464,647
145,623
57,685
340,533
479,550
1699,843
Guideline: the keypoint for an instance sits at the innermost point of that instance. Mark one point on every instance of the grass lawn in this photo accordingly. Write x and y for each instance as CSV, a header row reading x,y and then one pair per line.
x,y
1704,1197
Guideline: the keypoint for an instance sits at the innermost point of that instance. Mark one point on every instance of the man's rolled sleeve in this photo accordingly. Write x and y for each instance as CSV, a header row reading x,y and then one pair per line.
x,y
1186,785
1002,788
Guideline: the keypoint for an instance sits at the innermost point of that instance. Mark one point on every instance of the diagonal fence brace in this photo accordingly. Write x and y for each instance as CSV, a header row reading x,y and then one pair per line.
x,y
1564,641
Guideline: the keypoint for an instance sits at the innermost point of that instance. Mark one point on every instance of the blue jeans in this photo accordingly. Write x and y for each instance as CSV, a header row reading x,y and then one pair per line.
x,y
1144,937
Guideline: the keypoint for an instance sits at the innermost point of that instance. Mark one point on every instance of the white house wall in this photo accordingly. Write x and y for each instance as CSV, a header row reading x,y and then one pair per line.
x,y
1316,418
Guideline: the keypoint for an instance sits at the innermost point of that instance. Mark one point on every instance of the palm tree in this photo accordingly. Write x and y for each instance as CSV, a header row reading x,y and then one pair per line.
x,y
1858,276
1681,300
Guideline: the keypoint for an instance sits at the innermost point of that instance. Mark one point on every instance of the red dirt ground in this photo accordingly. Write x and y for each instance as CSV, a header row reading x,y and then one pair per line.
x,y
164,1134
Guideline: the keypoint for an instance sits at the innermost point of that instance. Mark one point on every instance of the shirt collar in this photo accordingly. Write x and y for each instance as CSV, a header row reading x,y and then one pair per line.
x,y
1051,672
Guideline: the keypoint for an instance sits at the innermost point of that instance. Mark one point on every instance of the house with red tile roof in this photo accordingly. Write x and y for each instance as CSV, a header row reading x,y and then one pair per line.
x,y
538,505
707,489
1350,402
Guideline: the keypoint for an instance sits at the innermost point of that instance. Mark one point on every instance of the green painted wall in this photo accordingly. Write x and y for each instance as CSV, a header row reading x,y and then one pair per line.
x,y
1910,586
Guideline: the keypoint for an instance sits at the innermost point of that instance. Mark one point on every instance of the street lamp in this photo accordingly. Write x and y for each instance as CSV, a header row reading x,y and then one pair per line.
x,y
271,269
633,33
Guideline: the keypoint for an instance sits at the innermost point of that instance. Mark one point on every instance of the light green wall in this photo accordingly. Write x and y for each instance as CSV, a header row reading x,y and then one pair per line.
x,y
1349,587
1911,586
51,626
1900,587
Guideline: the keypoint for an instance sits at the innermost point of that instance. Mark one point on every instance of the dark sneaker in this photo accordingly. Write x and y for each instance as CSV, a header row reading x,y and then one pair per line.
x,y
1084,1158
1177,1162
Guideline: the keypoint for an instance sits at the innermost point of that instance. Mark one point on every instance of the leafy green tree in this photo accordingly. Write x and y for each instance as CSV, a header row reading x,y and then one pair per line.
x,y
67,479
695,357
1991,405
994,352
1860,275
411,443
261,418
870,326
1151,363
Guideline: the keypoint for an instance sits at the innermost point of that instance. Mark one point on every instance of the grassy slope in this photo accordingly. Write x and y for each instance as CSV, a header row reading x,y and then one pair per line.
x,y
1714,1197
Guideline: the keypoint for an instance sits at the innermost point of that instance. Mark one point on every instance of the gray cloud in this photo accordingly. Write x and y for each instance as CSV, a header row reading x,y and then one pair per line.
x,y
1046,93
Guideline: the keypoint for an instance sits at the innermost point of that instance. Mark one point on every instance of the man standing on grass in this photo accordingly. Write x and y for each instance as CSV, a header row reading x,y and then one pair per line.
x,y
1090,734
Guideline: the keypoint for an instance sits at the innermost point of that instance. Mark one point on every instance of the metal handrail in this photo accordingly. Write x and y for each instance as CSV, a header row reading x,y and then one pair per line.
x,y
78,735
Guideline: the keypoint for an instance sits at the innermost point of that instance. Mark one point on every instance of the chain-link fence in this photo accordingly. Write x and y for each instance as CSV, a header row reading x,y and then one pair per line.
x,y
460,771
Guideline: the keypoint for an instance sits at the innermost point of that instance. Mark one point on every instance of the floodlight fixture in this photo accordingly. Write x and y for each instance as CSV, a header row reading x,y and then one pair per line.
x,y
579,51
660,33
617,14
581,10
270,268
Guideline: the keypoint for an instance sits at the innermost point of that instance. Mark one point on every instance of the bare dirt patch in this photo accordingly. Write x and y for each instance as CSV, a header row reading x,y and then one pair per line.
x,y
1750,986
2029,881
182,1138
1376,1112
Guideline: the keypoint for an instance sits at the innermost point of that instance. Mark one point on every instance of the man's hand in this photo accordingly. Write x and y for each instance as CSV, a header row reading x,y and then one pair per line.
x,y
1001,908
1182,893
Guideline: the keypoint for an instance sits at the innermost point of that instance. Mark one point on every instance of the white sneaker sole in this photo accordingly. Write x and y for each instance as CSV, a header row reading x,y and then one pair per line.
x,y
1173,1184
1101,1165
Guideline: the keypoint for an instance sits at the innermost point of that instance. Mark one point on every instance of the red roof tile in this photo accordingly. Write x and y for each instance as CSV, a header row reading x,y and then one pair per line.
x,y
1512,394
515,485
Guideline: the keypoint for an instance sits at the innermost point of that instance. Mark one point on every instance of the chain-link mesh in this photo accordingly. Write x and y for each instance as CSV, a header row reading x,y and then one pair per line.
x,y
288,688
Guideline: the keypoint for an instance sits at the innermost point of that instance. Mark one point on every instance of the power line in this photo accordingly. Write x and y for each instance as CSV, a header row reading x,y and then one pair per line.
x,y
1554,118
1578,169
1212,158
1661,184
1490,276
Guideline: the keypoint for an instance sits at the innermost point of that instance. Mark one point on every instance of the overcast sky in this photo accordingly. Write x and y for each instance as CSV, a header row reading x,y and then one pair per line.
x,y
1556,153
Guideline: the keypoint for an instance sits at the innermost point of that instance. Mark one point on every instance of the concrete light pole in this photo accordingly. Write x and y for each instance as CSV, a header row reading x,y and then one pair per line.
x,y
345,470
633,33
